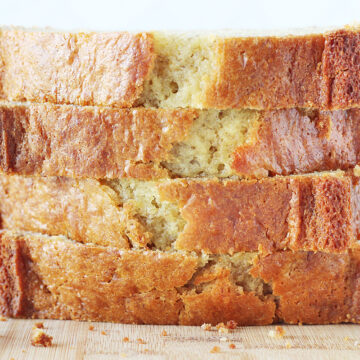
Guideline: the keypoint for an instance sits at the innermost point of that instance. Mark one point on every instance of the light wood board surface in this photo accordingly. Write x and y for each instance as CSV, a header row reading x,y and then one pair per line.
x,y
74,340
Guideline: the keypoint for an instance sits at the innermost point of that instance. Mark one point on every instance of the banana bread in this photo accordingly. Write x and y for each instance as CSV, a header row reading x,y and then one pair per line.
x,y
181,70
143,143
56,278
303,212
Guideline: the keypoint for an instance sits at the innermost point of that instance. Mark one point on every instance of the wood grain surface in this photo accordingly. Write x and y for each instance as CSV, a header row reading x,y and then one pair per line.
x,y
74,340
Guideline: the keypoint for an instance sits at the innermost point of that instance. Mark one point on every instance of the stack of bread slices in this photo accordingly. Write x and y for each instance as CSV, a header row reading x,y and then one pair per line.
x,y
168,178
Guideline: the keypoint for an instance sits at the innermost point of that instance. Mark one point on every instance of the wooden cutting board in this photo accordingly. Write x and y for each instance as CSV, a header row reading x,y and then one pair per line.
x,y
74,340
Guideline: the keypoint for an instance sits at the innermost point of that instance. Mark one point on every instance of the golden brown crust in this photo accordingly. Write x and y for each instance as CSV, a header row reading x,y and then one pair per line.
x,y
341,85
84,210
318,71
313,288
82,68
63,279
291,141
267,73
89,141
300,213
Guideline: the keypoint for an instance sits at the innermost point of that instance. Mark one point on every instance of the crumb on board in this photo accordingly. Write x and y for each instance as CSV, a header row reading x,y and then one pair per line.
x,y
231,325
206,327
125,339
215,350
300,323
346,338
140,341
164,333
357,343
288,345
223,339
40,338
232,346
2,318
278,333
91,327
103,332
39,325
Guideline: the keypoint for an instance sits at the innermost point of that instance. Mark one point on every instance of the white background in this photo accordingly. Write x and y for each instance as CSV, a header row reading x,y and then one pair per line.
x,y
178,15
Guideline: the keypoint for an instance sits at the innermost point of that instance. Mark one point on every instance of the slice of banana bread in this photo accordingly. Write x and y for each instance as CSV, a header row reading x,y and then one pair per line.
x,y
53,277
181,70
314,212
143,143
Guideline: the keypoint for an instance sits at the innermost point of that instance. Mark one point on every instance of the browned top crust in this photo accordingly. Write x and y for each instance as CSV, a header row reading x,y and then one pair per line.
x,y
292,141
89,141
66,280
313,288
267,73
304,212
81,69
318,71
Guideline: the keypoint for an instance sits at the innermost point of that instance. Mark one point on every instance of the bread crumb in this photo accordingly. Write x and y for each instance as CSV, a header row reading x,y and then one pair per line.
x,y
288,345
2,318
39,325
164,333
91,327
125,339
146,350
232,346
357,170
206,327
140,341
223,339
215,350
300,323
279,332
231,324
103,332
40,338
346,338
356,343
222,329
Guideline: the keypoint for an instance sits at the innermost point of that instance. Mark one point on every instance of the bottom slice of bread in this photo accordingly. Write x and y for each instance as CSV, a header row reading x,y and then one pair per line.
x,y
54,277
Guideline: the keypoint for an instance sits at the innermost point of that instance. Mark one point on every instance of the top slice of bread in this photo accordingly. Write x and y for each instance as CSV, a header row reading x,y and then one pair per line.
x,y
181,70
